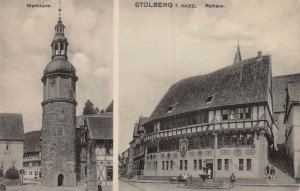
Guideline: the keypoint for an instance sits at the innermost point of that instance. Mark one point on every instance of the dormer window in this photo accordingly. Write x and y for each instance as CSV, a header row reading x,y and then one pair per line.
x,y
209,99
170,108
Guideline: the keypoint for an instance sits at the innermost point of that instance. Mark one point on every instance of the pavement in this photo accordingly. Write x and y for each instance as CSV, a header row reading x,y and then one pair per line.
x,y
249,183
146,186
36,187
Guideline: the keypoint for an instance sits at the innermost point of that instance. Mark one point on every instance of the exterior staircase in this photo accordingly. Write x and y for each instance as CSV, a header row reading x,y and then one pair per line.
x,y
279,162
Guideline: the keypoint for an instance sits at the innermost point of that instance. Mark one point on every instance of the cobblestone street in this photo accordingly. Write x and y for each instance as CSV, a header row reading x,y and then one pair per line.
x,y
44,188
133,186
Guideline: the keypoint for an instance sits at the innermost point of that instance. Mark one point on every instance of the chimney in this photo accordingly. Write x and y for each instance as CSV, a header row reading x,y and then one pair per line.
x,y
259,58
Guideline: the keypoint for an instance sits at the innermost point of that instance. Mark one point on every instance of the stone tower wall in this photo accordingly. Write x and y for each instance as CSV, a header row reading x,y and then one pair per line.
x,y
58,143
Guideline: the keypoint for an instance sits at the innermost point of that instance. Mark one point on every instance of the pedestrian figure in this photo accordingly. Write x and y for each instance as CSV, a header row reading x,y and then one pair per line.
x,y
209,172
86,186
99,184
272,172
267,170
232,180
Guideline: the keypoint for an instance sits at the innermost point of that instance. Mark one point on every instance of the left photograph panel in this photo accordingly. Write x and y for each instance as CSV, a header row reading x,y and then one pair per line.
x,y
56,107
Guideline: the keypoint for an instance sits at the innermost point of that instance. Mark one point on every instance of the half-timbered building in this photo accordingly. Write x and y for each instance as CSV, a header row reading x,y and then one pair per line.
x,y
98,137
32,157
222,121
138,147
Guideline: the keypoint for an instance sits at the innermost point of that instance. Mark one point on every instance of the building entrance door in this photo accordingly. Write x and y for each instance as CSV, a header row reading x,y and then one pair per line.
x,y
210,165
60,180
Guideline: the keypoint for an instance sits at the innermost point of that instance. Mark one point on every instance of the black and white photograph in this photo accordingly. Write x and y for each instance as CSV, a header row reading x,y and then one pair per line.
x,y
209,95
56,95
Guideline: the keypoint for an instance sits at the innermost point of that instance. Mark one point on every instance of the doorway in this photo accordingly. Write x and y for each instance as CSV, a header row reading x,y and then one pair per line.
x,y
210,165
60,180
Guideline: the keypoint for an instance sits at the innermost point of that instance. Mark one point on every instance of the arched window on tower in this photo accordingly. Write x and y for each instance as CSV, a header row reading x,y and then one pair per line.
x,y
56,49
62,52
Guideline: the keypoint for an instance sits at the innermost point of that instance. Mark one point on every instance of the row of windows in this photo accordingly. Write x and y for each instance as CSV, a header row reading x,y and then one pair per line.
x,y
180,121
226,164
222,164
31,164
183,164
167,165
198,164
2,163
151,167
238,113
204,141
37,154
183,121
235,139
241,164
36,173
241,113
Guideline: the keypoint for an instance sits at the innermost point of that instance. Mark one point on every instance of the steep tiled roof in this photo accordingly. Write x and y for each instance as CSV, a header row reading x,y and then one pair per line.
x,y
100,127
32,141
294,91
11,126
142,121
244,82
106,114
279,84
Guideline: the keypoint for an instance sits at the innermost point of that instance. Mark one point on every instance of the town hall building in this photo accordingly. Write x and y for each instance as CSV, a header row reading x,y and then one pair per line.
x,y
220,121
239,119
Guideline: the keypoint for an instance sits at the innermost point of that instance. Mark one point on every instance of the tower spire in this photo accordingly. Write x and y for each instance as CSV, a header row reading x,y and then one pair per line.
x,y
237,57
59,10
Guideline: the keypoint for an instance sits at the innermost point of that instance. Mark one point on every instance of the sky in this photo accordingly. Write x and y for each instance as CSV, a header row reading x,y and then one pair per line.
x,y
25,38
160,46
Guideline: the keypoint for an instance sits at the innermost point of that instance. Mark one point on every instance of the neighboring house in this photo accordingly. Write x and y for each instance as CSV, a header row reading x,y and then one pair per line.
x,y
124,163
81,168
279,102
11,141
98,142
133,158
138,147
292,119
32,157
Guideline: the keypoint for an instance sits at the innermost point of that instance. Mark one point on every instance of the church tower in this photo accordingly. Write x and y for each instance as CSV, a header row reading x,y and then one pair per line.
x,y
59,115
237,57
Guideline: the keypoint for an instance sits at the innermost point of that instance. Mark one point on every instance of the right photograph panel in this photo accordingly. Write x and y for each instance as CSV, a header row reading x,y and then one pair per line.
x,y
209,94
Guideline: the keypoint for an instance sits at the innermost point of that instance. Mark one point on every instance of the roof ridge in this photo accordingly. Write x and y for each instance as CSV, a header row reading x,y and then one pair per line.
x,y
286,75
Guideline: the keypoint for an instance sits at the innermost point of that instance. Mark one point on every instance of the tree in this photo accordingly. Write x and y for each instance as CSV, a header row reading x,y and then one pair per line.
x,y
12,173
89,108
110,107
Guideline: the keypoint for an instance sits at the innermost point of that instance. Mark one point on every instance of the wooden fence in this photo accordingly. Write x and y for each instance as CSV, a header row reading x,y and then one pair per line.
x,y
8,182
